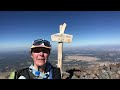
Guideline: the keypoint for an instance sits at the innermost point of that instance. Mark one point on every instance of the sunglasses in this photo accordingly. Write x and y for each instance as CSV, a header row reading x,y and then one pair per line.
x,y
38,50
40,41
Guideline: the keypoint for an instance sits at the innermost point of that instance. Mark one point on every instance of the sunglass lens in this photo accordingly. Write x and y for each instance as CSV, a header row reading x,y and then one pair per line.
x,y
47,43
38,50
40,41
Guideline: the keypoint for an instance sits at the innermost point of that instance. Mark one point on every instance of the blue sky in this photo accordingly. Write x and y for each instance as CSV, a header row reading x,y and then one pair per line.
x,y
19,28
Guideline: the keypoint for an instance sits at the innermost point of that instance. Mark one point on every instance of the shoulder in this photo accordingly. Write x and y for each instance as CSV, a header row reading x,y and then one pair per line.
x,y
56,69
56,73
21,72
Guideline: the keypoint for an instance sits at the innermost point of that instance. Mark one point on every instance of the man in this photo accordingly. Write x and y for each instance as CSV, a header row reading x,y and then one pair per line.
x,y
41,68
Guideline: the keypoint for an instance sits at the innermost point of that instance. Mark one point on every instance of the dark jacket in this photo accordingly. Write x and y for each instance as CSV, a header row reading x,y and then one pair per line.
x,y
29,75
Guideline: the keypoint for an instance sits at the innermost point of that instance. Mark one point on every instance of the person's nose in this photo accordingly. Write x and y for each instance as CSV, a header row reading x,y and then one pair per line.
x,y
41,53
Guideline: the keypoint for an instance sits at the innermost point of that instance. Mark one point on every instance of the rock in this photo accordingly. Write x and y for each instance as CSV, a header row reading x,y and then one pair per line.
x,y
108,71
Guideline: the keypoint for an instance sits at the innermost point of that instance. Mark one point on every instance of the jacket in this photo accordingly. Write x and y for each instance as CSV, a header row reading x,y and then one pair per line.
x,y
27,73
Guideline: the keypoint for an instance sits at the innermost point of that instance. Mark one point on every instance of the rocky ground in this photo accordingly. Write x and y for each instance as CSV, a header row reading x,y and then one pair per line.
x,y
104,71
4,75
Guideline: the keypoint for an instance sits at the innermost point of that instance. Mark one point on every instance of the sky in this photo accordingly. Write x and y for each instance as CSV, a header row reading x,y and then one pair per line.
x,y
19,28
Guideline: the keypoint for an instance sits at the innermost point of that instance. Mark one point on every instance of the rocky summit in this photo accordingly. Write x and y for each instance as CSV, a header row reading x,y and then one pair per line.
x,y
104,71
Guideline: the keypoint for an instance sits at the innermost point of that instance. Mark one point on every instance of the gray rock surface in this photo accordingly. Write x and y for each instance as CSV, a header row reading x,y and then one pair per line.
x,y
109,71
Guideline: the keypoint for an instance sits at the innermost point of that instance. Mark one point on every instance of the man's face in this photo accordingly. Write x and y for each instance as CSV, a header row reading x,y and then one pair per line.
x,y
40,56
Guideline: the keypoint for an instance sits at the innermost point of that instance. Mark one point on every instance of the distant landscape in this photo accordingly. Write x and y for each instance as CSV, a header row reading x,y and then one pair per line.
x,y
73,57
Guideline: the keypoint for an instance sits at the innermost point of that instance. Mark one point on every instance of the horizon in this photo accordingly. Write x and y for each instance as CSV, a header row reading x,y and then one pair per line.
x,y
96,47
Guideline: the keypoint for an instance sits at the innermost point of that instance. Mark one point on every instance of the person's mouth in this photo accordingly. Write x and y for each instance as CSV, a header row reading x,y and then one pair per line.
x,y
40,58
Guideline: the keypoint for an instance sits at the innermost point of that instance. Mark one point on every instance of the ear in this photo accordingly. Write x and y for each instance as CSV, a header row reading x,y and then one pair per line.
x,y
31,56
